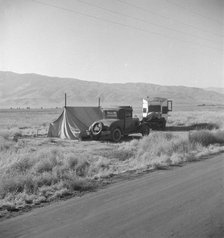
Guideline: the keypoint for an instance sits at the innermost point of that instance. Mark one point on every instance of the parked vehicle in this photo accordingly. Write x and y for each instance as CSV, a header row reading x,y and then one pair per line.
x,y
119,122
116,123
155,112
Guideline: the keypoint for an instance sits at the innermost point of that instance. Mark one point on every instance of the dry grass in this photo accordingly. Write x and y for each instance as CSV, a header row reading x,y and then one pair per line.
x,y
189,118
36,170
159,150
33,172
206,138
31,122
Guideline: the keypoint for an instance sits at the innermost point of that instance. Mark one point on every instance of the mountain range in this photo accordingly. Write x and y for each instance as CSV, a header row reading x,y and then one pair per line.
x,y
34,90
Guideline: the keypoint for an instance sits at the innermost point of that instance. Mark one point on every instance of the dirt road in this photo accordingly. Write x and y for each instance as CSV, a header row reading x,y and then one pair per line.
x,y
180,202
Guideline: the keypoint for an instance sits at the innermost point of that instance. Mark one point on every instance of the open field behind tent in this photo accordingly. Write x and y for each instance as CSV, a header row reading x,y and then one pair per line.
x,y
34,120
35,169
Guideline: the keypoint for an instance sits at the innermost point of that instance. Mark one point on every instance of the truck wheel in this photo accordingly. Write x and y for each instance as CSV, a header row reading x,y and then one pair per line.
x,y
163,126
97,128
116,135
145,130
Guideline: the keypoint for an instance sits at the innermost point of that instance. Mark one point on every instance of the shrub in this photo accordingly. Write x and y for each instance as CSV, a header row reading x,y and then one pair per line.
x,y
219,136
6,145
72,161
46,191
206,137
16,136
16,184
44,166
61,193
159,150
100,167
47,160
78,184
45,179
82,168
157,144
22,164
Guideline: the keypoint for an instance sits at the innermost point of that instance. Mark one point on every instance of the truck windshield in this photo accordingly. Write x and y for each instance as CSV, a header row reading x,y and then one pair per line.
x,y
154,108
110,114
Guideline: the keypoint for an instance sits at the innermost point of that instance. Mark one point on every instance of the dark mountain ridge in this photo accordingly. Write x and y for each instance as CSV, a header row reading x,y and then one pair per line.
x,y
33,90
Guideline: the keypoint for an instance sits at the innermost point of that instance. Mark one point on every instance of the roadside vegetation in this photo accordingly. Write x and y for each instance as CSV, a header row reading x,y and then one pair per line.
x,y
35,170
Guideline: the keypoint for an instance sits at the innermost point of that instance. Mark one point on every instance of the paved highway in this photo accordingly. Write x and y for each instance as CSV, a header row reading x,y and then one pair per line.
x,y
180,202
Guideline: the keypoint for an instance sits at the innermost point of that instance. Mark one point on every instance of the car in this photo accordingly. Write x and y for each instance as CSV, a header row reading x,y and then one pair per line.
x,y
116,123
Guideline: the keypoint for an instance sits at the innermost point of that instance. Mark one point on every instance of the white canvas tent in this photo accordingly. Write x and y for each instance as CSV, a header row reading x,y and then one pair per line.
x,y
74,121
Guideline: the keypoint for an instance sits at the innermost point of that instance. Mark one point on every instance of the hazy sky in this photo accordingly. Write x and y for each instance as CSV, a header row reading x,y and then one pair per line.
x,y
168,42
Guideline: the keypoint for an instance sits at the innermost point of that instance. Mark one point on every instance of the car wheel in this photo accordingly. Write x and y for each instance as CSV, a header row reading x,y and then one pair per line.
x,y
145,130
163,126
97,128
116,135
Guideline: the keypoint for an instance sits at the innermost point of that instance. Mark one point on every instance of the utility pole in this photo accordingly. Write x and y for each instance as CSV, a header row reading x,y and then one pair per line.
x,y
65,100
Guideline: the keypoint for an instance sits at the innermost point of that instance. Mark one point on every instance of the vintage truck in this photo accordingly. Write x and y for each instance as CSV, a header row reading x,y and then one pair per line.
x,y
155,112
117,123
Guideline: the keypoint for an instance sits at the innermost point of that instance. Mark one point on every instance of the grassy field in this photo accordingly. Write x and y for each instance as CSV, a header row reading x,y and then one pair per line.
x,y
34,120
35,169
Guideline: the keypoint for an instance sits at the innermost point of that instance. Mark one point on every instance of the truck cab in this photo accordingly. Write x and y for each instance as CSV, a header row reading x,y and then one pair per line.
x,y
156,110
123,118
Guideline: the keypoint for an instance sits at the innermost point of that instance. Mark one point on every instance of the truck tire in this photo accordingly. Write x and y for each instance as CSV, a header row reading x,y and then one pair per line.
x,y
163,124
116,135
145,130
97,128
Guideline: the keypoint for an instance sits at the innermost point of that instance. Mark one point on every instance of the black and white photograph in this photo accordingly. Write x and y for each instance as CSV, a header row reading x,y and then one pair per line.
x,y
111,118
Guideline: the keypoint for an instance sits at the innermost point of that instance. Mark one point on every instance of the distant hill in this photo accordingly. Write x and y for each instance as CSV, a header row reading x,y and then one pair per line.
x,y
218,90
33,90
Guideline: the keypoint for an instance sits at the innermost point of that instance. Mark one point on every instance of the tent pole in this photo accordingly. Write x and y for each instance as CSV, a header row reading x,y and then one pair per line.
x,y
65,100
